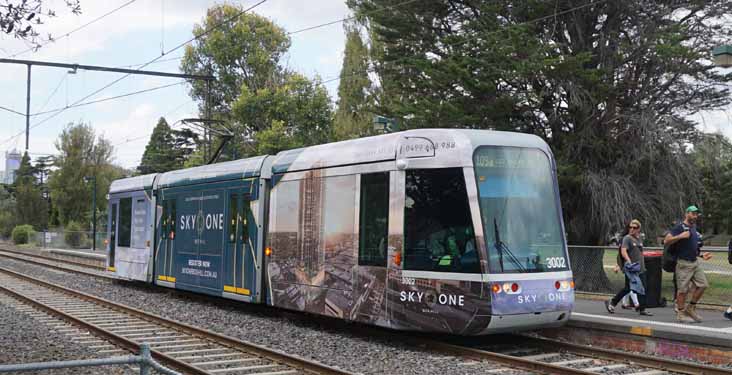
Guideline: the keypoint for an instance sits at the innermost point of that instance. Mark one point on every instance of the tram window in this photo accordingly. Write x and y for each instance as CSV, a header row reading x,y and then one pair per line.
x,y
233,199
172,219
374,219
438,232
125,222
244,235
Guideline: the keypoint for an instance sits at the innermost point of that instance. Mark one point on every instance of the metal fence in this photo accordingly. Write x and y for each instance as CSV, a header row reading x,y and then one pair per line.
x,y
69,240
594,272
144,360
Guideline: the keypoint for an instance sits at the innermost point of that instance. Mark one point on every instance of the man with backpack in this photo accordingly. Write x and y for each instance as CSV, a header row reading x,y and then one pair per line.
x,y
685,240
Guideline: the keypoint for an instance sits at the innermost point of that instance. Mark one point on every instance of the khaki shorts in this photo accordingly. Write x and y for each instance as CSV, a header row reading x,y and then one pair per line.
x,y
688,273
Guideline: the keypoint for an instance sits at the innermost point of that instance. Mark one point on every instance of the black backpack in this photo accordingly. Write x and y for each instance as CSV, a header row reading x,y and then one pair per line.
x,y
729,251
669,258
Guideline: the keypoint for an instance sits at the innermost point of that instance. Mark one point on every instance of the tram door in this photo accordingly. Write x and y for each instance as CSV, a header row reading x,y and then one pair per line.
x,y
166,239
373,242
112,235
239,252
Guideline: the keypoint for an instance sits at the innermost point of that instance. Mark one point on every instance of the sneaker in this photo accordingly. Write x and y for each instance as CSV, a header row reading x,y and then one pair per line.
x,y
609,306
683,318
691,312
727,315
645,313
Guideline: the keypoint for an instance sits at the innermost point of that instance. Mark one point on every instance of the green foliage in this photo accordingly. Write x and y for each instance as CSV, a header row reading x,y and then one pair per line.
x,y
355,104
245,52
22,234
81,154
295,114
31,208
607,85
161,154
713,161
73,234
7,212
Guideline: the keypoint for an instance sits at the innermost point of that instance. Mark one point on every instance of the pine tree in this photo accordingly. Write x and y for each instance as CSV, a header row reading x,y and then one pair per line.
x,y
31,208
161,154
353,116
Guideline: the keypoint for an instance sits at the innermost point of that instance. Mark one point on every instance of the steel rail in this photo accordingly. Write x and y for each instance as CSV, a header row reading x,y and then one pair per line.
x,y
57,267
517,362
619,355
236,344
61,260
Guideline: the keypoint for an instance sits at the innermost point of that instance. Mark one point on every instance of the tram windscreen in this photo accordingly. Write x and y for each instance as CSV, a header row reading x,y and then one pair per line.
x,y
519,210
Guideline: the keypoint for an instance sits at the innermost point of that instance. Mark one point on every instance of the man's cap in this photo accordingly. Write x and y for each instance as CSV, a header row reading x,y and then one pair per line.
x,y
692,208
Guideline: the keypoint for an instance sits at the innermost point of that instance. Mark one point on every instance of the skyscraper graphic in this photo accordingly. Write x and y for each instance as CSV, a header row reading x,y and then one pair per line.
x,y
310,220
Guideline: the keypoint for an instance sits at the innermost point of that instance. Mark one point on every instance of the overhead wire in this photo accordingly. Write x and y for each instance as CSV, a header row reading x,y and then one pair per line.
x,y
11,111
459,42
110,98
73,105
72,31
48,100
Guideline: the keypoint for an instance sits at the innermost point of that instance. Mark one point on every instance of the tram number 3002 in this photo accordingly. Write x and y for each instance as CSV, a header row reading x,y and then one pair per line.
x,y
556,262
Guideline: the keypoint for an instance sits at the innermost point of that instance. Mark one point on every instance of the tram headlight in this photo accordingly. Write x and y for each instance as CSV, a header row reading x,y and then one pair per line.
x,y
511,288
564,285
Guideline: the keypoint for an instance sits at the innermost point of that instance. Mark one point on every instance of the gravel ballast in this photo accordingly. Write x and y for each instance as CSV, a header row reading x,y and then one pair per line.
x,y
330,343
25,340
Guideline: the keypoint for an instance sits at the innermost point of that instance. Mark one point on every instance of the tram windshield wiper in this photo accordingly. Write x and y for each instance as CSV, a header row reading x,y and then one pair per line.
x,y
502,247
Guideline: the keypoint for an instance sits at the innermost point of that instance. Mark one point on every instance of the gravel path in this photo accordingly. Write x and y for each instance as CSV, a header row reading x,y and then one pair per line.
x,y
325,340
25,340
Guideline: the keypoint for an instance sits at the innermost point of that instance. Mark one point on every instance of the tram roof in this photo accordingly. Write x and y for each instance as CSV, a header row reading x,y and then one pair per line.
x,y
132,183
230,170
452,147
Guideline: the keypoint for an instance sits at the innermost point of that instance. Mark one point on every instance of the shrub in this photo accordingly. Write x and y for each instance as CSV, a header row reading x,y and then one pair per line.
x,y
73,235
22,234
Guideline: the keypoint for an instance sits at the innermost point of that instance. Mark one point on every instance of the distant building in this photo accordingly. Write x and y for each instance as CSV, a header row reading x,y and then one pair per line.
x,y
2,177
12,163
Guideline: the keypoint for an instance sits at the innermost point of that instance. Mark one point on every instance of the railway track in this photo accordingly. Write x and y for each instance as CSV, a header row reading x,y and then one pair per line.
x,y
57,264
556,357
180,346
531,353
64,259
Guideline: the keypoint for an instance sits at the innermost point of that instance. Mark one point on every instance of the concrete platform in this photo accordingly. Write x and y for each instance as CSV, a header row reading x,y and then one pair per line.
x,y
715,330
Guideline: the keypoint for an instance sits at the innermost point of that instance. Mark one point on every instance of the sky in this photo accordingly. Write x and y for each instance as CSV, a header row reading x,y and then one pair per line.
x,y
134,35
138,33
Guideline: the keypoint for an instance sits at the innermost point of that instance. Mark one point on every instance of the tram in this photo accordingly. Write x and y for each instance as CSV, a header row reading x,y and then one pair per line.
x,y
436,230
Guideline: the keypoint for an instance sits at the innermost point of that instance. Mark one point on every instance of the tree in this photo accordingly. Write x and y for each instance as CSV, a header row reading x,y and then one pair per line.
x,y
607,85
81,153
353,118
295,114
8,220
31,208
243,52
713,161
19,17
161,154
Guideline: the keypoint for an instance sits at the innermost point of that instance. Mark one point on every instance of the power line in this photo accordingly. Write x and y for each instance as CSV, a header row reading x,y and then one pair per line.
x,y
11,111
74,30
239,14
350,18
108,99
66,75
60,110
553,15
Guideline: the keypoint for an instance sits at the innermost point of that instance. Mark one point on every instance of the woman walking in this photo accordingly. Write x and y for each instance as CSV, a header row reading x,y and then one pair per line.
x,y
634,268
